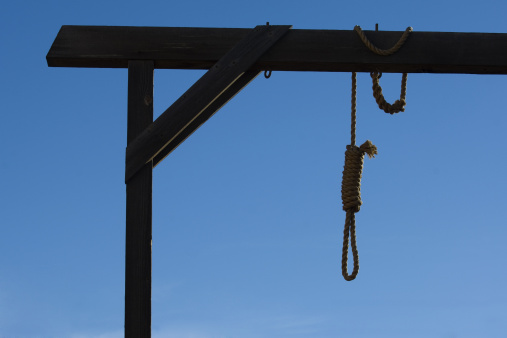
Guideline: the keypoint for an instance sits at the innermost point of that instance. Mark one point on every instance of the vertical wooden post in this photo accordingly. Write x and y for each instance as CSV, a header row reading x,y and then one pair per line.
x,y
139,207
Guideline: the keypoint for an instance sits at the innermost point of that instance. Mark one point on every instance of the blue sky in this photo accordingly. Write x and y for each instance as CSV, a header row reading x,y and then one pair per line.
x,y
247,219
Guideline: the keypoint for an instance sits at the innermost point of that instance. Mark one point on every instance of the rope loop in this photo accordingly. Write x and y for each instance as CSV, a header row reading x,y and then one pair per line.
x,y
384,52
350,231
398,105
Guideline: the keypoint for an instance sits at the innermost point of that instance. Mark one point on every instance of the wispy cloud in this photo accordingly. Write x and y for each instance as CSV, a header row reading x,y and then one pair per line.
x,y
281,326
112,334
183,333
163,333
295,324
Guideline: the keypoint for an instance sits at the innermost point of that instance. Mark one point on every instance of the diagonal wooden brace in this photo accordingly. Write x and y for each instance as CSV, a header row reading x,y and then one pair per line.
x,y
226,96
177,122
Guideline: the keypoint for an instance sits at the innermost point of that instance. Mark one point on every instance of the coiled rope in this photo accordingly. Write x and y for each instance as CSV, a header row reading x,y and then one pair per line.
x,y
354,155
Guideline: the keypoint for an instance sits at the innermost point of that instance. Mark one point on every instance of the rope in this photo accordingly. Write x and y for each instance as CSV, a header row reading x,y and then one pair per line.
x,y
351,198
353,111
398,105
351,188
379,51
354,155
350,226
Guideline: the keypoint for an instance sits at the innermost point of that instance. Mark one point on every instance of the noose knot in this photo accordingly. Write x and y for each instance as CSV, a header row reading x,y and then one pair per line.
x,y
352,172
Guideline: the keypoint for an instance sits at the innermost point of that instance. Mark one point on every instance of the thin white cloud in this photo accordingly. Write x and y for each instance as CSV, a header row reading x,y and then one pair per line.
x,y
183,333
294,324
164,333
288,325
112,334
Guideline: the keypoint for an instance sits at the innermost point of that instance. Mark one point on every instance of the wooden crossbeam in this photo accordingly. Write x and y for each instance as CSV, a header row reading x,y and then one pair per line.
x,y
182,113
299,50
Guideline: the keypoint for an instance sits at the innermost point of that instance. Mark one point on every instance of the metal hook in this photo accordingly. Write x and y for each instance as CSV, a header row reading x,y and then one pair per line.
x,y
379,73
267,74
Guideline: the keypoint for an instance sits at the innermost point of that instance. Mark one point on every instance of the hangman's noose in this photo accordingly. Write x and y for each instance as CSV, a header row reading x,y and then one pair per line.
x,y
354,155
351,185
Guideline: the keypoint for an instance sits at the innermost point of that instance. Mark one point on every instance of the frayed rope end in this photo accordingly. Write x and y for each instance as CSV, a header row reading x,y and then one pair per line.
x,y
369,149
